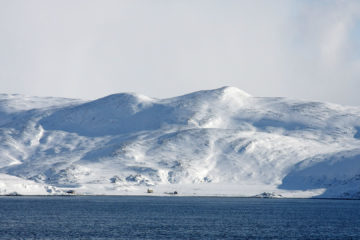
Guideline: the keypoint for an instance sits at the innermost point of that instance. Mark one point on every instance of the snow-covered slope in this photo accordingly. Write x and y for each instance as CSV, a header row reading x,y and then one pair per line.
x,y
215,142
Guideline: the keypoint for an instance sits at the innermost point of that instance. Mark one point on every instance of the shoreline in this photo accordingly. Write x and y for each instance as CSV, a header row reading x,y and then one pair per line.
x,y
175,196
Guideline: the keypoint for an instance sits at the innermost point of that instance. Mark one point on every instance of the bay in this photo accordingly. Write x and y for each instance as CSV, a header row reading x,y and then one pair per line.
x,y
145,217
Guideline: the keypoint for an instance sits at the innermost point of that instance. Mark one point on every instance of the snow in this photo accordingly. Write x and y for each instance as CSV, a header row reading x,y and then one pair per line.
x,y
221,142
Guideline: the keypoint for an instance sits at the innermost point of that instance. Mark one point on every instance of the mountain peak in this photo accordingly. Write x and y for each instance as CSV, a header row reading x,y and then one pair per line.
x,y
227,90
130,97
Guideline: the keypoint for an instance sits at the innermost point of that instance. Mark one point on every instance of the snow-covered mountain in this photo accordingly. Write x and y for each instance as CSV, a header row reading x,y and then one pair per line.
x,y
215,142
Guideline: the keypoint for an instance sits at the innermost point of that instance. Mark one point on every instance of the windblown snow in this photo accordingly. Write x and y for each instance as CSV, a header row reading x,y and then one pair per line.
x,y
221,142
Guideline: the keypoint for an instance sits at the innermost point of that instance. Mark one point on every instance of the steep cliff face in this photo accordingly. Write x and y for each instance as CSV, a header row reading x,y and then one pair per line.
x,y
214,142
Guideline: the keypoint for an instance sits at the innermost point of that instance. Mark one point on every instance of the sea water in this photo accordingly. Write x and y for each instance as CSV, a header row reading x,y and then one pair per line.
x,y
123,217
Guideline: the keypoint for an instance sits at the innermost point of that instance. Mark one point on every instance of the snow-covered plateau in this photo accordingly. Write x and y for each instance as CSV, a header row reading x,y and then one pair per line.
x,y
220,142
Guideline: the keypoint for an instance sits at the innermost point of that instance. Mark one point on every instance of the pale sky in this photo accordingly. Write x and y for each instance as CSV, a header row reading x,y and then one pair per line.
x,y
161,48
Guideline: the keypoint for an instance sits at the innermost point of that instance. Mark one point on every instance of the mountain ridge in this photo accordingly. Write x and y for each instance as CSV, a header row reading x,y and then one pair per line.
x,y
211,142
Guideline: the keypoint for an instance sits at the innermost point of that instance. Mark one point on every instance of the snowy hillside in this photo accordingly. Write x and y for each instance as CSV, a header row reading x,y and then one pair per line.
x,y
215,142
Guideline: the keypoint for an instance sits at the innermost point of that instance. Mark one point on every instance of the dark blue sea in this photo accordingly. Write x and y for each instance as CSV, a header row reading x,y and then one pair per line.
x,y
98,217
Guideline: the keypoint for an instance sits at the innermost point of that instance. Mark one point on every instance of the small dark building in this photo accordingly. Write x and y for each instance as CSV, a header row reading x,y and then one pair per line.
x,y
70,191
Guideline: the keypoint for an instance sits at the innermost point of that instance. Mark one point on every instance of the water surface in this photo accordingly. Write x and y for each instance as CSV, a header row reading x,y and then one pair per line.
x,y
110,217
